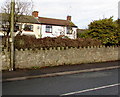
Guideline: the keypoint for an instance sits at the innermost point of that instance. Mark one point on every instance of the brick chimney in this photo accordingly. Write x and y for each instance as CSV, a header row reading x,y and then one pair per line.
x,y
69,18
35,13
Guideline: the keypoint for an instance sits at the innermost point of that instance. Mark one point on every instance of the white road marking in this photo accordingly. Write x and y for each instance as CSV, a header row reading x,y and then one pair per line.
x,y
87,90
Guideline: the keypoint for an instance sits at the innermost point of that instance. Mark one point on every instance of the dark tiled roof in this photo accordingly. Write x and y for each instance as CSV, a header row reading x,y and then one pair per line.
x,y
59,22
22,18
4,17
28,19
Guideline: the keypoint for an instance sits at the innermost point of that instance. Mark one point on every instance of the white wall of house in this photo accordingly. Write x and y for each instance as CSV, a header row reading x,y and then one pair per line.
x,y
57,31
73,34
39,31
1,33
27,32
36,30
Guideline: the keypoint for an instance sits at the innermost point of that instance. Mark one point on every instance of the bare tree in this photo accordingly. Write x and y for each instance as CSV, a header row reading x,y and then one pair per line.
x,y
21,8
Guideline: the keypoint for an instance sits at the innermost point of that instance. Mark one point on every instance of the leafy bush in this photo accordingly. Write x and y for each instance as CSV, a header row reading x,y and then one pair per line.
x,y
31,42
106,30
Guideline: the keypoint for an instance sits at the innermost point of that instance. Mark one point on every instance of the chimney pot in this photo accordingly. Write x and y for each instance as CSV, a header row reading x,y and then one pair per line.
x,y
35,13
69,18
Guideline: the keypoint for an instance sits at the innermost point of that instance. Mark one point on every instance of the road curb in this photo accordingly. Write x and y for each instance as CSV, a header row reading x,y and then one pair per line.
x,y
60,73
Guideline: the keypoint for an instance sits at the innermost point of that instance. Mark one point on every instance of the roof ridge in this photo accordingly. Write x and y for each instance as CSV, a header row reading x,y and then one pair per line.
x,y
53,21
53,18
45,20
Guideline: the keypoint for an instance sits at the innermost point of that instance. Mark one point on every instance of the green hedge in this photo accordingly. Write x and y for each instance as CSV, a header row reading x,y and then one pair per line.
x,y
105,30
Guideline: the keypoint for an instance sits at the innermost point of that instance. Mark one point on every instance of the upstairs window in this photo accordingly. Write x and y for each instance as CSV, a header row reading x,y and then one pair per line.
x,y
48,29
28,27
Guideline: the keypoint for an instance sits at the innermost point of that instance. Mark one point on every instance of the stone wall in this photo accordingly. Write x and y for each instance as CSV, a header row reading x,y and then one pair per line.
x,y
61,56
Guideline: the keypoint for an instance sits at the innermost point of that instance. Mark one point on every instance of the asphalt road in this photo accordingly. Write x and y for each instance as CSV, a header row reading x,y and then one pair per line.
x,y
92,83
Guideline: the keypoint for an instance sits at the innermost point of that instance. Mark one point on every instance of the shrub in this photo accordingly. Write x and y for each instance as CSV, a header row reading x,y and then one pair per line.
x,y
105,30
30,42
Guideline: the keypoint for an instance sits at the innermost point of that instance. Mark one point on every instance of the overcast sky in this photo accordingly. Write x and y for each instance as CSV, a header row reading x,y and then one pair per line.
x,y
82,11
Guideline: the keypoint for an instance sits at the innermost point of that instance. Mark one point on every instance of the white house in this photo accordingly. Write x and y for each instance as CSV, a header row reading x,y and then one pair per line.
x,y
41,27
56,27
26,25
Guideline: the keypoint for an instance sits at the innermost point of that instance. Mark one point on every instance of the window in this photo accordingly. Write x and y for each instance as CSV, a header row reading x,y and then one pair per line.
x,y
28,27
18,27
69,30
5,26
48,29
